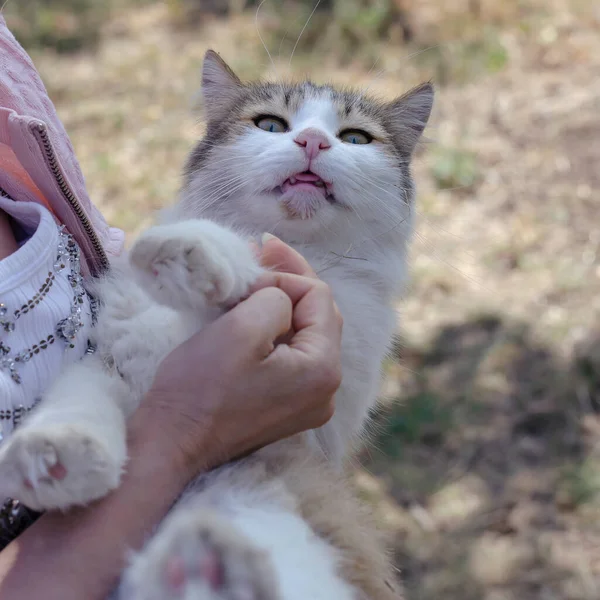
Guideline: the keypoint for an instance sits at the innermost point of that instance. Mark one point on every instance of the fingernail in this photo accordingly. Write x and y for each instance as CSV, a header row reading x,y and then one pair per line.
x,y
266,237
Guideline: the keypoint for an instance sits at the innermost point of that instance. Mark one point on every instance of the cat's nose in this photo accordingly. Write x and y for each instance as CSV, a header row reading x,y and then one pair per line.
x,y
313,141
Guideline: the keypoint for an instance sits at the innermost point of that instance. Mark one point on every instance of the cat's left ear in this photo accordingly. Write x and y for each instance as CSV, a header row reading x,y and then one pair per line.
x,y
407,116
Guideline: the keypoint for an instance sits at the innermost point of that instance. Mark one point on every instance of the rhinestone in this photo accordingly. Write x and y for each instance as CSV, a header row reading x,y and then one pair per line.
x,y
3,310
25,356
8,326
68,328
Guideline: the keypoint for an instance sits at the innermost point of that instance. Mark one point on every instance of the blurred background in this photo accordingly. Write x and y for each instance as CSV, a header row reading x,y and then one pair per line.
x,y
486,469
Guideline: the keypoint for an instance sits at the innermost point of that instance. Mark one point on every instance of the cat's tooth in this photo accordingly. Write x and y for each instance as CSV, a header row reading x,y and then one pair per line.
x,y
319,183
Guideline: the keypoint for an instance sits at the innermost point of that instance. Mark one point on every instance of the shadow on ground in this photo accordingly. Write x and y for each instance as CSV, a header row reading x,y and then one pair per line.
x,y
487,469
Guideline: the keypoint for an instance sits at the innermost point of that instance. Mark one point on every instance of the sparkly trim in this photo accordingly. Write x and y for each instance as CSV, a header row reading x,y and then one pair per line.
x,y
46,287
16,414
11,363
67,328
9,325
67,252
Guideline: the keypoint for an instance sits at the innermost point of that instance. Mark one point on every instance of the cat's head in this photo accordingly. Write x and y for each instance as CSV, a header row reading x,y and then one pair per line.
x,y
303,161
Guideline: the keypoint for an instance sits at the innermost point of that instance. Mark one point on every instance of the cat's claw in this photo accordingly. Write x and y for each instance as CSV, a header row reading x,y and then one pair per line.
x,y
201,558
57,467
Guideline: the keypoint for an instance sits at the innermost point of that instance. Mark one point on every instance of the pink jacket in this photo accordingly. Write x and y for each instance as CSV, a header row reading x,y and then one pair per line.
x,y
37,160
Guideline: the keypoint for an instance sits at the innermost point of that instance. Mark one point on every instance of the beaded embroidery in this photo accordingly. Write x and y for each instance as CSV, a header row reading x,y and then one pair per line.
x,y
67,328
9,324
16,414
14,516
11,363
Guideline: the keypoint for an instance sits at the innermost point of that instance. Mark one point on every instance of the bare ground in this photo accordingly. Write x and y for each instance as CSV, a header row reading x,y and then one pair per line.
x,y
487,466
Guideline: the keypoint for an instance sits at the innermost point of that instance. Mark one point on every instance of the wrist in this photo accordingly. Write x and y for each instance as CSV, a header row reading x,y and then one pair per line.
x,y
163,444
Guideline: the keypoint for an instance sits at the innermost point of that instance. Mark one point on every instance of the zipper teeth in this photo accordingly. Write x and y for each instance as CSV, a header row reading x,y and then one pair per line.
x,y
71,199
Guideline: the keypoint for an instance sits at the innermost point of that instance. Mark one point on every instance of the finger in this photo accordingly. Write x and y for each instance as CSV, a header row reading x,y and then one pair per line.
x,y
279,256
254,324
315,312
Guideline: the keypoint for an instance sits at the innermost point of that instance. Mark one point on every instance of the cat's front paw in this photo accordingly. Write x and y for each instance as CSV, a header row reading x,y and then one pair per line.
x,y
201,557
56,467
194,264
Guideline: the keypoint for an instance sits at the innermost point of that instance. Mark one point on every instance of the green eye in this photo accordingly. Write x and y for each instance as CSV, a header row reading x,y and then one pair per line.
x,y
271,124
355,136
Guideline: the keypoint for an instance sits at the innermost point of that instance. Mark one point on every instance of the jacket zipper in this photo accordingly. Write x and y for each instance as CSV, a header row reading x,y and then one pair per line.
x,y
76,207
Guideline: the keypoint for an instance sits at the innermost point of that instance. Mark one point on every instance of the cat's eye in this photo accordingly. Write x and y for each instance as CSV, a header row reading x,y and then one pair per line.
x,y
355,136
271,124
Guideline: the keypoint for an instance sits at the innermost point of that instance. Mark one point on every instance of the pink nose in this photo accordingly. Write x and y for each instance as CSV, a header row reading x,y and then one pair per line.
x,y
313,141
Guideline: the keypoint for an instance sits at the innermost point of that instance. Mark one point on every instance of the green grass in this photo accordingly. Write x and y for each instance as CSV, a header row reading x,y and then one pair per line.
x,y
580,484
454,168
419,418
63,25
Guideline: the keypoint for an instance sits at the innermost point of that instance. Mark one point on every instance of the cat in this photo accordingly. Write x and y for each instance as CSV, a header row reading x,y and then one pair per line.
x,y
328,172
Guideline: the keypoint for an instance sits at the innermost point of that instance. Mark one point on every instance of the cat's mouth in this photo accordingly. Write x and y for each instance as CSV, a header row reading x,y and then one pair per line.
x,y
307,181
303,194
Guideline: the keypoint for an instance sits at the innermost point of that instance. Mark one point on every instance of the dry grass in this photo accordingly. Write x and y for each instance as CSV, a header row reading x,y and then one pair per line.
x,y
487,469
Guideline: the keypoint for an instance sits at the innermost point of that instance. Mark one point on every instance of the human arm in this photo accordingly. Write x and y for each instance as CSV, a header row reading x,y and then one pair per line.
x,y
252,394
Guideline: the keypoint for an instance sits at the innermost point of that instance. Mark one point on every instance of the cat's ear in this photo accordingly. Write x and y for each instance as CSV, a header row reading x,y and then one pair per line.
x,y
220,85
407,116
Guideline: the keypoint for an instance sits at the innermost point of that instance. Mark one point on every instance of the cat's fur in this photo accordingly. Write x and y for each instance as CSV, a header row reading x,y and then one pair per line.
x,y
281,524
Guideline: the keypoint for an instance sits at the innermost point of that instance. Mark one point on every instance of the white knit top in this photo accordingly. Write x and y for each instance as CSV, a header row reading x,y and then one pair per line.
x,y
45,313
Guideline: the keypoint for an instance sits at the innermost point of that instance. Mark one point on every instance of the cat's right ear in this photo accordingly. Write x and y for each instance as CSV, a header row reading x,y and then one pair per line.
x,y
220,86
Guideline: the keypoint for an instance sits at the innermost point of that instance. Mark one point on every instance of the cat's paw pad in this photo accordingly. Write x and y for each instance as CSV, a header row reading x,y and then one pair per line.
x,y
204,558
57,467
194,264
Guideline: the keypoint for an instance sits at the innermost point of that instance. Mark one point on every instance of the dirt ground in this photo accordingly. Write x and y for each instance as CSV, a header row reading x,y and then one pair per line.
x,y
486,469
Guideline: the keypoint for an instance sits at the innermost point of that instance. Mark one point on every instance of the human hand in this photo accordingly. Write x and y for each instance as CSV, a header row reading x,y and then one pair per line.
x,y
233,387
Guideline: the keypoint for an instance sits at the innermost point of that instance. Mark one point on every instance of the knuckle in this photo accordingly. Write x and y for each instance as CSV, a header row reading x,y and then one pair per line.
x,y
328,376
324,289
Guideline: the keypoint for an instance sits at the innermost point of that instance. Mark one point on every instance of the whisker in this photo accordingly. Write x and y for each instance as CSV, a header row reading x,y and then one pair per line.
x,y
303,29
281,44
262,41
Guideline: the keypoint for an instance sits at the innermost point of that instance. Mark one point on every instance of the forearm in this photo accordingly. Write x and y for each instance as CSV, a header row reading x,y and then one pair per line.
x,y
81,554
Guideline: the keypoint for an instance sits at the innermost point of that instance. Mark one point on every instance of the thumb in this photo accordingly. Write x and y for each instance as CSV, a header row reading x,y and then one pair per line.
x,y
278,256
254,324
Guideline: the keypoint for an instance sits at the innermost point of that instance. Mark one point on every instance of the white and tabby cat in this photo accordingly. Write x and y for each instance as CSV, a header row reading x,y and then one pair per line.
x,y
327,171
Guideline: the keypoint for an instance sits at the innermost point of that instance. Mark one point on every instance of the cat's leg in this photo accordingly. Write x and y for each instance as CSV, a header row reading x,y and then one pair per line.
x,y
71,449
200,556
248,551
194,264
